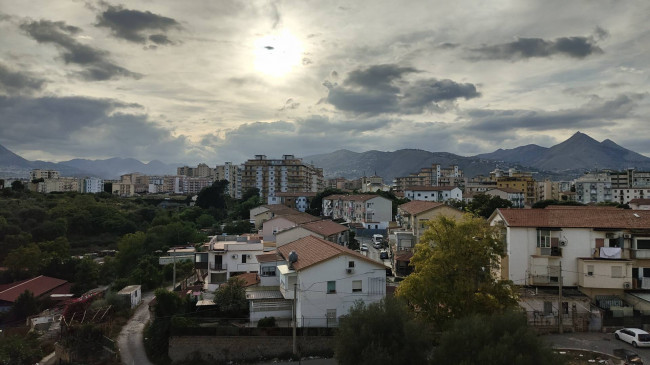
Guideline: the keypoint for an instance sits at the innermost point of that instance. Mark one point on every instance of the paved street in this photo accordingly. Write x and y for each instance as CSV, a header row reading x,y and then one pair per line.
x,y
130,340
372,252
594,341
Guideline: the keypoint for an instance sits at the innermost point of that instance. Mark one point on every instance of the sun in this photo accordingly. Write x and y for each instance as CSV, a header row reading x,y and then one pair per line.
x,y
277,54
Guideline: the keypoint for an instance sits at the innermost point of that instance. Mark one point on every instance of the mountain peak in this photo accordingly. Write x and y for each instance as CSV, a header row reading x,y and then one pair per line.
x,y
579,136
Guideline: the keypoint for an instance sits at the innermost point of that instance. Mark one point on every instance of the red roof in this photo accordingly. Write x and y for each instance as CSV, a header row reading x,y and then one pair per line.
x,y
268,257
297,218
419,206
576,217
640,201
249,278
39,286
324,227
430,188
312,250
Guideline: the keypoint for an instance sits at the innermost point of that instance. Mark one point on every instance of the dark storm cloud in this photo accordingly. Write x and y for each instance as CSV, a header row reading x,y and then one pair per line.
x,y
382,89
76,125
523,48
593,114
95,62
324,126
17,83
134,25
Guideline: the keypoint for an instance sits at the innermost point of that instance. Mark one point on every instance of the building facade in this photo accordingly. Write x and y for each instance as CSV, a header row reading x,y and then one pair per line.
x,y
286,175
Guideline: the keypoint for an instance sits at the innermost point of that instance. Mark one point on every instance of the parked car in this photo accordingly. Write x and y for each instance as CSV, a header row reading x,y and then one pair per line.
x,y
383,254
634,336
364,247
376,245
629,357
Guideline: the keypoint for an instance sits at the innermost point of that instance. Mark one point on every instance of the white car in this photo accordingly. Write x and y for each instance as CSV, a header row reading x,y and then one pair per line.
x,y
364,247
634,336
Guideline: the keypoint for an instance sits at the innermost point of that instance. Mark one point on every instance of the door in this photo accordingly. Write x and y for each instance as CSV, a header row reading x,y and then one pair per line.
x,y
218,262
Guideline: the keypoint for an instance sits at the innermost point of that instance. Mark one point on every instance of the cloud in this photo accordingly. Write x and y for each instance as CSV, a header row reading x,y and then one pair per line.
x,y
524,48
596,113
135,26
383,89
85,127
17,83
95,62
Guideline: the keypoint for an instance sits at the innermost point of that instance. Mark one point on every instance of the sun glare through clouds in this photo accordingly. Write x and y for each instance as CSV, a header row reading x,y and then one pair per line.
x,y
277,54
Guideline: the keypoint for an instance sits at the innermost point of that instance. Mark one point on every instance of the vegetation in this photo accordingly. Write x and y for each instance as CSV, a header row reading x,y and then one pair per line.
x,y
231,298
484,205
20,350
453,267
493,340
381,333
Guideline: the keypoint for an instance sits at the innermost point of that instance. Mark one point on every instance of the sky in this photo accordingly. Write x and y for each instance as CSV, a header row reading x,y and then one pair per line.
x,y
223,80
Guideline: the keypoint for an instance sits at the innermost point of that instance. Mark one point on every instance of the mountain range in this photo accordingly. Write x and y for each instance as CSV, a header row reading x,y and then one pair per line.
x,y
565,160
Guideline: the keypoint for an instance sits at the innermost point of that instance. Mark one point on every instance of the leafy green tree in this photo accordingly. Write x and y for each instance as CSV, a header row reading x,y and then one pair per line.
x,y
213,196
381,333
237,227
205,221
59,248
231,298
130,248
148,273
86,276
483,205
25,305
17,186
25,261
168,303
453,272
494,340
17,350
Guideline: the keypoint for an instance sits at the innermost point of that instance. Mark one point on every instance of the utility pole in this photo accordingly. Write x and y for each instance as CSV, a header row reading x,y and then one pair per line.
x,y
559,301
174,278
295,304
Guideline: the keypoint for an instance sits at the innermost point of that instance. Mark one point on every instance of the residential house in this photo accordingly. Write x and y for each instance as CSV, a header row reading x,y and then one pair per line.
x,y
41,287
433,193
228,256
327,280
259,215
600,250
297,201
640,204
373,211
284,221
324,229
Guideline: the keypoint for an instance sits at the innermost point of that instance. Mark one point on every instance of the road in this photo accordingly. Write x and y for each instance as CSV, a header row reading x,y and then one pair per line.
x,y
594,341
130,341
372,252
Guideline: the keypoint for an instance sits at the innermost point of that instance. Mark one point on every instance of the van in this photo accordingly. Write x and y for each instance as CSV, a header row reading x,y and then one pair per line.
x,y
377,238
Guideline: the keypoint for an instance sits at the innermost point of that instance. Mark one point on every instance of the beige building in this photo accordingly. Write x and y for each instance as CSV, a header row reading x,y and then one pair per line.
x,y
412,216
287,175
233,174
435,175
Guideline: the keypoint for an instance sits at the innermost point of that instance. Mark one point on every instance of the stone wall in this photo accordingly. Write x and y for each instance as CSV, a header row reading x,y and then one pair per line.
x,y
245,348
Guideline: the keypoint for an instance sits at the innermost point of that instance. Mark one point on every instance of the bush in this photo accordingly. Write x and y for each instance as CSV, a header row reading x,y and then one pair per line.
x,y
266,322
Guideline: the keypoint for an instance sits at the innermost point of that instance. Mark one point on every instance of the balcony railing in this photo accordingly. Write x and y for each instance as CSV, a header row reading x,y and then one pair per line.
x,y
218,267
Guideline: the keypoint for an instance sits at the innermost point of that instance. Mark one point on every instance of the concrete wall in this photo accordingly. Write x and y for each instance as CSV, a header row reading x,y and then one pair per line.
x,y
244,348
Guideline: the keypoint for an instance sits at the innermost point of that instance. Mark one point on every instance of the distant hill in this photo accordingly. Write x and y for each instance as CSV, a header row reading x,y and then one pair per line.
x,y
12,165
580,152
348,164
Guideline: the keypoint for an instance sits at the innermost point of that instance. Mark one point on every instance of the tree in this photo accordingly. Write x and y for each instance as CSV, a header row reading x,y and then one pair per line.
x,y
381,333
25,305
168,303
231,297
24,261
17,186
453,271
483,205
130,248
213,196
20,350
493,340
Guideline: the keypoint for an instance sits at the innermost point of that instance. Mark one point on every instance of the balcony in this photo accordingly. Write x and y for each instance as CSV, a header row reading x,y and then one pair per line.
x,y
218,267
549,251
639,254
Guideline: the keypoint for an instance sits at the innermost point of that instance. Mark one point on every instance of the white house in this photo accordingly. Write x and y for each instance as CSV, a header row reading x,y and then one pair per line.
x,y
433,193
259,215
132,294
602,251
516,197
325,229
373,211
327,279
285,221
226,259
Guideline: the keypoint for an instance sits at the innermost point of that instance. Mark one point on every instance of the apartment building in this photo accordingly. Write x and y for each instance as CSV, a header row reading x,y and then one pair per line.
x,y
287,175
201,170
43,174
433,193
435,175
518,180
92,185
233,174
373,211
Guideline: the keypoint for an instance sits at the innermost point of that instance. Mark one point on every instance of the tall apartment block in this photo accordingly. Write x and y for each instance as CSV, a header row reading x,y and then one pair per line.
x,y
286,175
232,173
202,170
435,175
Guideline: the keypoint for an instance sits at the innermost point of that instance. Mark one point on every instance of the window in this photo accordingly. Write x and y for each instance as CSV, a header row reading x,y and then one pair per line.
x,y
331,287
617,272
543,238
331,317
356,286
243,259
590,270
548,308
350,263
268,270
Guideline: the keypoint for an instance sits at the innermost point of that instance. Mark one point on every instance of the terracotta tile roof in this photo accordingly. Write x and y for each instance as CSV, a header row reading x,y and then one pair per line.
x,y
507,190
310,194
38,286
430,188
640,201
576,217
419,206
359,197
278,208
299,218
324,227
404,256
249,278
312,250
268,257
